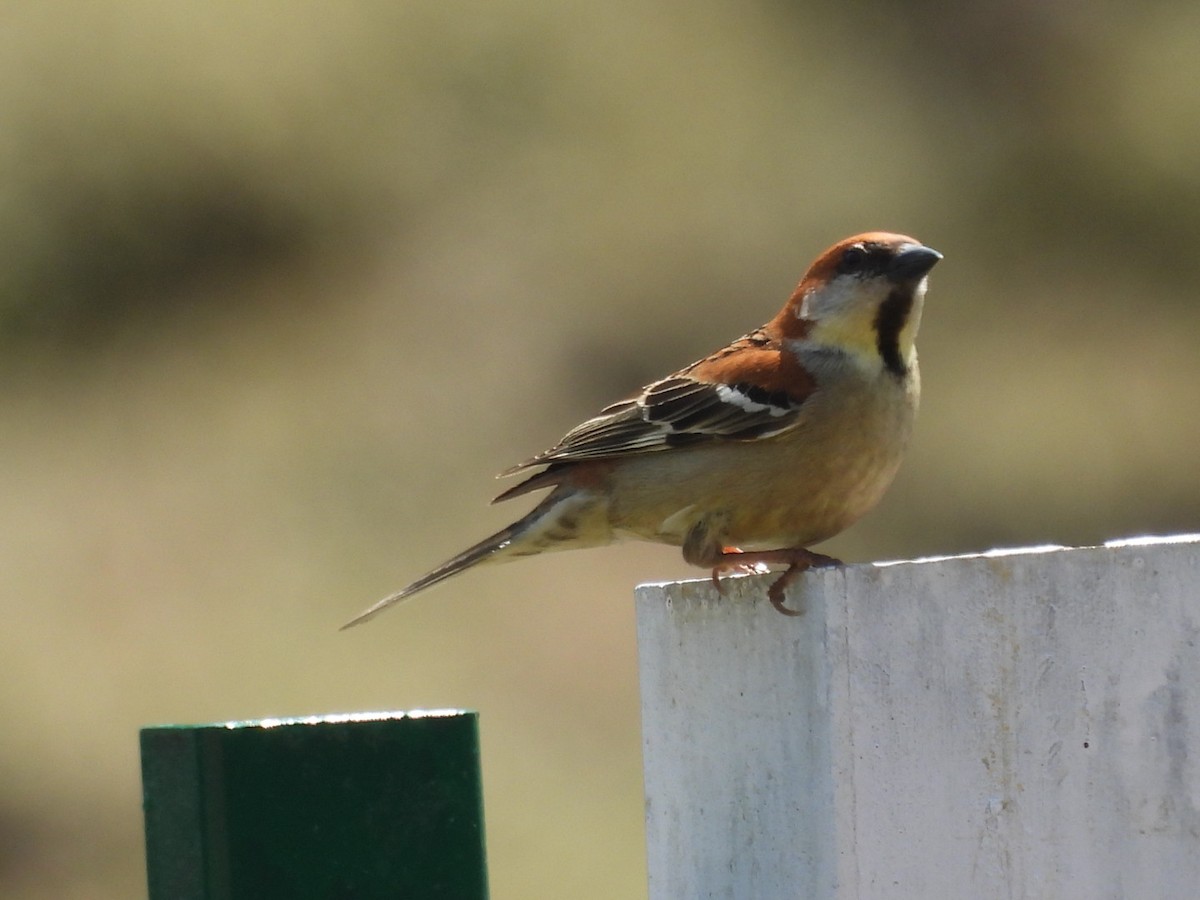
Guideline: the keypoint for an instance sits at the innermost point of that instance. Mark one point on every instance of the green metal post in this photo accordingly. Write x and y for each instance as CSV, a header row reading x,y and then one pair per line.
x,y
384,805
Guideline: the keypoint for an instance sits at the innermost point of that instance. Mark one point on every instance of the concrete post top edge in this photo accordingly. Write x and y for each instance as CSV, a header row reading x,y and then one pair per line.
x,y
655,588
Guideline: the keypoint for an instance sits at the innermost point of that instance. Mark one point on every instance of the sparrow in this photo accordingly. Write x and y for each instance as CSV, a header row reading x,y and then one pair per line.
x,y
744,459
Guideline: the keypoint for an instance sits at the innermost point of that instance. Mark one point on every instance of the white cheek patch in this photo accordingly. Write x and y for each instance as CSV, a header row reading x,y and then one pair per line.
x,y
832,299
843,297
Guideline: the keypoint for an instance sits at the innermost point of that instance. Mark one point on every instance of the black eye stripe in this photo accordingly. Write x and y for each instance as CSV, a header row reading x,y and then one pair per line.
x,y
865,259
853,258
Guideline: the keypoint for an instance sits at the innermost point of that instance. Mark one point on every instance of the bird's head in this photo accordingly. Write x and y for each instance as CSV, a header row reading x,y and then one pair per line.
x,y
863,295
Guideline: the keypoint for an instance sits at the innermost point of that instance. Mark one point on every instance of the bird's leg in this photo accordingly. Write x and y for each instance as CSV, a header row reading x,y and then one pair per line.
x,y
797,559
702,547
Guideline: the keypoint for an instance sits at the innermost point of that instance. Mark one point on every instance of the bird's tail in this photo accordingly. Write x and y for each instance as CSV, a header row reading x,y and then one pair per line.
x,y
554,524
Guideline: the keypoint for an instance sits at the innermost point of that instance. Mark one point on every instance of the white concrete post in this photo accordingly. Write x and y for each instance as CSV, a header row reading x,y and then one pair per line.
x,y
997,726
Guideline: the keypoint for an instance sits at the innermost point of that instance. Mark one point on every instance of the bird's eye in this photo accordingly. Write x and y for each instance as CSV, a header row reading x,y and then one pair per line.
x,y
853,258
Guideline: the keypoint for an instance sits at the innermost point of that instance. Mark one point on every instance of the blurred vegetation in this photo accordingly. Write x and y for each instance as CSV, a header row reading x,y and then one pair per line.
x,y
285,283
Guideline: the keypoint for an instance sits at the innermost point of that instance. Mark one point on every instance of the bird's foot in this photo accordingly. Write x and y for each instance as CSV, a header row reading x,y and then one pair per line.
x,y
737,565
797,559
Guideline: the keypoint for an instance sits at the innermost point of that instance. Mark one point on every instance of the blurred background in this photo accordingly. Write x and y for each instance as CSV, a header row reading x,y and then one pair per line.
x,y
284,284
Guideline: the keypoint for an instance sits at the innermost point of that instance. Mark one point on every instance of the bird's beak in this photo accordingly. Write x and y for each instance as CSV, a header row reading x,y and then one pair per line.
x,y
914,261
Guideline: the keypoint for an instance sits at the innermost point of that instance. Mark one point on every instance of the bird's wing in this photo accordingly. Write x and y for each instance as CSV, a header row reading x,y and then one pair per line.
x,y
750,390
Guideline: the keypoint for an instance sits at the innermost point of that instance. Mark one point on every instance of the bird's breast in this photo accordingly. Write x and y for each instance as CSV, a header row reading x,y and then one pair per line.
x,y
794,489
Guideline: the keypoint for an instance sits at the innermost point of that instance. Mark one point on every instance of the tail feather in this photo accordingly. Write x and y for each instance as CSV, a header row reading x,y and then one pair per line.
x,y
566,518
486,549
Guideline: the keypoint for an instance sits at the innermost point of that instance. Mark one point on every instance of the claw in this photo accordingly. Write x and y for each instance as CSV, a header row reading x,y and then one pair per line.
x,y
731,567
775,593
716,579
